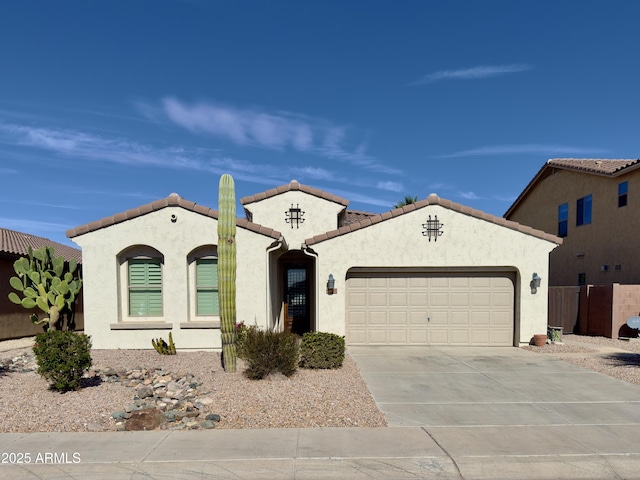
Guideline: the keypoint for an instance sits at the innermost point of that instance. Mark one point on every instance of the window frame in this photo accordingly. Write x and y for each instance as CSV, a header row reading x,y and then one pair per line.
x,y
584,210
623,195
563,220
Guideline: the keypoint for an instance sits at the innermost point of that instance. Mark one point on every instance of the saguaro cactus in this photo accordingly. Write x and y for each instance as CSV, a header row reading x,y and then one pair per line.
x,y
227,270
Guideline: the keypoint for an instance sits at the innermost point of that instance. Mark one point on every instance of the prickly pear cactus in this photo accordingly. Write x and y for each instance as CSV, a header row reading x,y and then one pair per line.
x,y
45,283
227,270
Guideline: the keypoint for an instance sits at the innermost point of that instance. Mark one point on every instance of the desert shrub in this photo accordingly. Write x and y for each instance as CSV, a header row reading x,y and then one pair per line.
x,y
267,352
62,358
241,335
321,350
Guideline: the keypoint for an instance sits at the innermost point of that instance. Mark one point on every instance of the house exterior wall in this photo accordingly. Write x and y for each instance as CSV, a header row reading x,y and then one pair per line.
x,y
610,239
320,215
105,282
467,244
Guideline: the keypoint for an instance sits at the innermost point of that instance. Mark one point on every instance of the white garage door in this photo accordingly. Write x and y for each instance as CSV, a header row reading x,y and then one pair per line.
x,y
430,309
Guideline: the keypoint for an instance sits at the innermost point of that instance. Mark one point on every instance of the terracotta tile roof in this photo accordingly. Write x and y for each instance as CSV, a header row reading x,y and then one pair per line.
x,y
293,185
353,216
173,200
593,166
433,199
18,243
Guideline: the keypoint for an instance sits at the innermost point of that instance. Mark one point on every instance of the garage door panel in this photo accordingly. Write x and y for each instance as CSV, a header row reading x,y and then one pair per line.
x,y
397,299
397,318
459,336
418,336
377,283
357,318
418,299
398,282
398,337
418,318
439,299
480,336
460,299
377,299
460,318
378,317
437,309
481,299
356,299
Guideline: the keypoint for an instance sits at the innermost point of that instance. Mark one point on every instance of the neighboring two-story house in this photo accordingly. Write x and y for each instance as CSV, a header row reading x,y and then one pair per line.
x,y
593,205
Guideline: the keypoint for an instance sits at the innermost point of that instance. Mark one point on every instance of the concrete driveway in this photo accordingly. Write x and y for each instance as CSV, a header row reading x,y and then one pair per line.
x,y
485,386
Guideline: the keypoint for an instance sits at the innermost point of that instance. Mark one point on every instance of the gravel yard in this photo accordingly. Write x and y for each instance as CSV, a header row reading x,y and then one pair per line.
x,y
583,351
310,398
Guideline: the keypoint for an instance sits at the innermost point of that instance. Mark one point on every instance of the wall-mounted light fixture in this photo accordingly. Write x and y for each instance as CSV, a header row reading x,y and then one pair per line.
x,y
535,282
174,219
331,283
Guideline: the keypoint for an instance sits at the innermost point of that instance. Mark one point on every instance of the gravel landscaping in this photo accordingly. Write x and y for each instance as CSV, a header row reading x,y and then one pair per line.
x,y
583,351
310,398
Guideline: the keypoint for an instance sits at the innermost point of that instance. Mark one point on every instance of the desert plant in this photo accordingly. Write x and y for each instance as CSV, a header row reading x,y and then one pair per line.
x,y
321,350
227,270
241,334
62,358
267,352
45,283
162,347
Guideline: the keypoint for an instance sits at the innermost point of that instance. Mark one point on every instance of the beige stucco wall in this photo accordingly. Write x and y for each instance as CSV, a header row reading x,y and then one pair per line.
x,y
320,215
467,243
105,278
611,238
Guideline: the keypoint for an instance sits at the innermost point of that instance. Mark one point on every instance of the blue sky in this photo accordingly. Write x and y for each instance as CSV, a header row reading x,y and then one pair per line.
x,y
105,106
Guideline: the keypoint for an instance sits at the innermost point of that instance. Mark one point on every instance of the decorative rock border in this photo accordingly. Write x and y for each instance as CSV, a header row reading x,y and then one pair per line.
x,y
161,399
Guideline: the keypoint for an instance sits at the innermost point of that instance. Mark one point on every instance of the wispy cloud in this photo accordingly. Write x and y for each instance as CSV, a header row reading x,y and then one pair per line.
x,y
469,196
390,186
282,131
473,73
34,226
502,198
531,148
8,171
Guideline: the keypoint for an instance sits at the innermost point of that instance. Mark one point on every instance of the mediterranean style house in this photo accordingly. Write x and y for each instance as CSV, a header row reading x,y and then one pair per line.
x,y
593,206
14,319
430,273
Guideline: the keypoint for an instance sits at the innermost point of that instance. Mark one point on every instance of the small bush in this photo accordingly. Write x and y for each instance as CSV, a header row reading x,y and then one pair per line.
x,y
321,350
62,358
267,352
241,334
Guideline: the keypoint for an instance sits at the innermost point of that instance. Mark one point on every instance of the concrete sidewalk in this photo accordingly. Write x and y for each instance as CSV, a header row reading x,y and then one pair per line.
x,y
382,453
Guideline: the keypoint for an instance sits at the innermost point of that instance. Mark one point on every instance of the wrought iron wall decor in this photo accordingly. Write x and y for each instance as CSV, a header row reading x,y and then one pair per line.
x,y
294,216
432,228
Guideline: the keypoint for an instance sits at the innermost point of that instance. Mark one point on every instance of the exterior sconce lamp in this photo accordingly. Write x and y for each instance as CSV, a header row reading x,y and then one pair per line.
x,y
535,283
331,283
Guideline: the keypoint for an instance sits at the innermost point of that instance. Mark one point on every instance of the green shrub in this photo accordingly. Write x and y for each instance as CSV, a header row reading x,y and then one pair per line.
x,y
321,350
62,358
267,352
241,334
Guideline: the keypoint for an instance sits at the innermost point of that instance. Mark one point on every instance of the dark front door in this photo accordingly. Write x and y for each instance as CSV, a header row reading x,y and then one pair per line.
x,y
297,298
